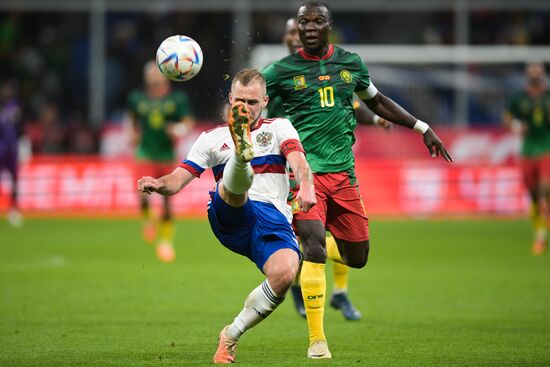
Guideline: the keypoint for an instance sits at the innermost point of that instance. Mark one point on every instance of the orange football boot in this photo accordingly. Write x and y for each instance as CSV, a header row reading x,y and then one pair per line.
x,y
227,349
239,126
165,252
539,247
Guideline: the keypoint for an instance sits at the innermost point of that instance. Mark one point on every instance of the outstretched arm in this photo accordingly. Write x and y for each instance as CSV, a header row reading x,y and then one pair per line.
x,y
166,185
388,109
302,172
365,116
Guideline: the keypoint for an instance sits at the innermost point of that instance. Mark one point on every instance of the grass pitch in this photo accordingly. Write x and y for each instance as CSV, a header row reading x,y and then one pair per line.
x,y
435,293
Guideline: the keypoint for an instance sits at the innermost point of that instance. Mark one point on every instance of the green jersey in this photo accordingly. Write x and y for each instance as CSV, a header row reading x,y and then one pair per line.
x,y
317,96
153,117
535,113
275,107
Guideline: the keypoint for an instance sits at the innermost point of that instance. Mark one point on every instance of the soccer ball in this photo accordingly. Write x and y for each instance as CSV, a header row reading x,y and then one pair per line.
x,y
179,58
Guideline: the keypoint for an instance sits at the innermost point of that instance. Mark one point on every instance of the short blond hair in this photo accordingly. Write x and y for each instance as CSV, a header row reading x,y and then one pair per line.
x,y
247,76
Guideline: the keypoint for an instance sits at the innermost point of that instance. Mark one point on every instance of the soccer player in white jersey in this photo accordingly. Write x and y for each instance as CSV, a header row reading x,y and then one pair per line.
x,y
248,211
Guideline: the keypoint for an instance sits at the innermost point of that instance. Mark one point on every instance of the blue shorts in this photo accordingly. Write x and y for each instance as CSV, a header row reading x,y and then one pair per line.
x,y
255,230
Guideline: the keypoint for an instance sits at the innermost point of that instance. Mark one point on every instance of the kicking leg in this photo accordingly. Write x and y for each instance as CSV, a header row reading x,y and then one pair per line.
x,y
238,174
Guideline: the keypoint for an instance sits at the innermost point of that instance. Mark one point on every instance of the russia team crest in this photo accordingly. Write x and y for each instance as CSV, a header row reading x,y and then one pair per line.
x,y
264,139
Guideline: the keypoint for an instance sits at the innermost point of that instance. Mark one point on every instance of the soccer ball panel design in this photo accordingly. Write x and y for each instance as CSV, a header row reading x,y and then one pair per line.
x,y
179,58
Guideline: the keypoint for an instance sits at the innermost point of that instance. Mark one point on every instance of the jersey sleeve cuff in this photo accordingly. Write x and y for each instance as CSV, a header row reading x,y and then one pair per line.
x,y
192,167
368,93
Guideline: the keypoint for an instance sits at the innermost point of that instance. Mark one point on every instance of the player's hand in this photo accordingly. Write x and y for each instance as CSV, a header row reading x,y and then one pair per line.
x,y
384,124
135,138
148,184
306,197
435,145
177,130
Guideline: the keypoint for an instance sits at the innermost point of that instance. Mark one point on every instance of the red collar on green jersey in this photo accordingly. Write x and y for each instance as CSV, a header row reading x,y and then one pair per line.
x,y
307,56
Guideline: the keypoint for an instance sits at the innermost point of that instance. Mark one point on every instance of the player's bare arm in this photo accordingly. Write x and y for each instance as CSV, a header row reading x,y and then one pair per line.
x,y
302,172
166,185
388,109
366,117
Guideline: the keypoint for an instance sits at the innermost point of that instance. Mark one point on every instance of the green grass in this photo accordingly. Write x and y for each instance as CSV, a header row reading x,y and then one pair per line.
x,y
435,293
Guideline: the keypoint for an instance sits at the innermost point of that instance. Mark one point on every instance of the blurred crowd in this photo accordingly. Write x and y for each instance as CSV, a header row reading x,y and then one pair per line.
x,y
45,58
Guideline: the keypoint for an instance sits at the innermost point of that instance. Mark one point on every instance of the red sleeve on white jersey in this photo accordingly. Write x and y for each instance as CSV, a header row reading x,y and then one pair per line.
x,y
287,136
291,145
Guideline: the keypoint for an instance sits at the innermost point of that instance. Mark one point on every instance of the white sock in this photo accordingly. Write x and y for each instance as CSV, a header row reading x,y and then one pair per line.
x,y
237,176
259,304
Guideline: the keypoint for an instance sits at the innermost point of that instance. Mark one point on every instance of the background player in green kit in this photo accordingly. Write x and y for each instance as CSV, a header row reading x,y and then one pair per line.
x,y
339,298
529,113
159,116
316,85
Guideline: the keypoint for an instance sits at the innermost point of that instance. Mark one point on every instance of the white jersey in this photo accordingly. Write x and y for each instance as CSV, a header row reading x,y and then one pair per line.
x,y
213,149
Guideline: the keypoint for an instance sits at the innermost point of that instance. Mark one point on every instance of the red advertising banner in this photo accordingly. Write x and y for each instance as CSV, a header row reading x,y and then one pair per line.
x,y
425,188
396,176
389,187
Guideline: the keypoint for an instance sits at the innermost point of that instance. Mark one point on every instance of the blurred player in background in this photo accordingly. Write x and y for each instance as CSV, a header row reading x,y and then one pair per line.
x,y
248,211
159,117
10,127
529,114
339,298
316,85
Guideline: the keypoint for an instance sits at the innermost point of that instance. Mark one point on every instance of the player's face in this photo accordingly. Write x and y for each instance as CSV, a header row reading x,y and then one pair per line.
x,y
292,38
155,82
535,74
252,95
314,25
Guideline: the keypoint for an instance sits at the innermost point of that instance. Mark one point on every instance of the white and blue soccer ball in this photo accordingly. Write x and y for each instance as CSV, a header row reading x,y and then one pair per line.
x,y
179,58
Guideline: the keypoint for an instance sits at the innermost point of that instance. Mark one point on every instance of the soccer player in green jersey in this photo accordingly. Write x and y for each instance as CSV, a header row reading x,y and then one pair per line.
x,y
529,113
159,117
317,84
339,299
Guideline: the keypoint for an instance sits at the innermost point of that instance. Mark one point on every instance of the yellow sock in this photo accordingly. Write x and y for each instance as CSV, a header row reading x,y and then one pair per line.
x,y
537,217
166,230
538,220
147,213
332,250
341,275
314,285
